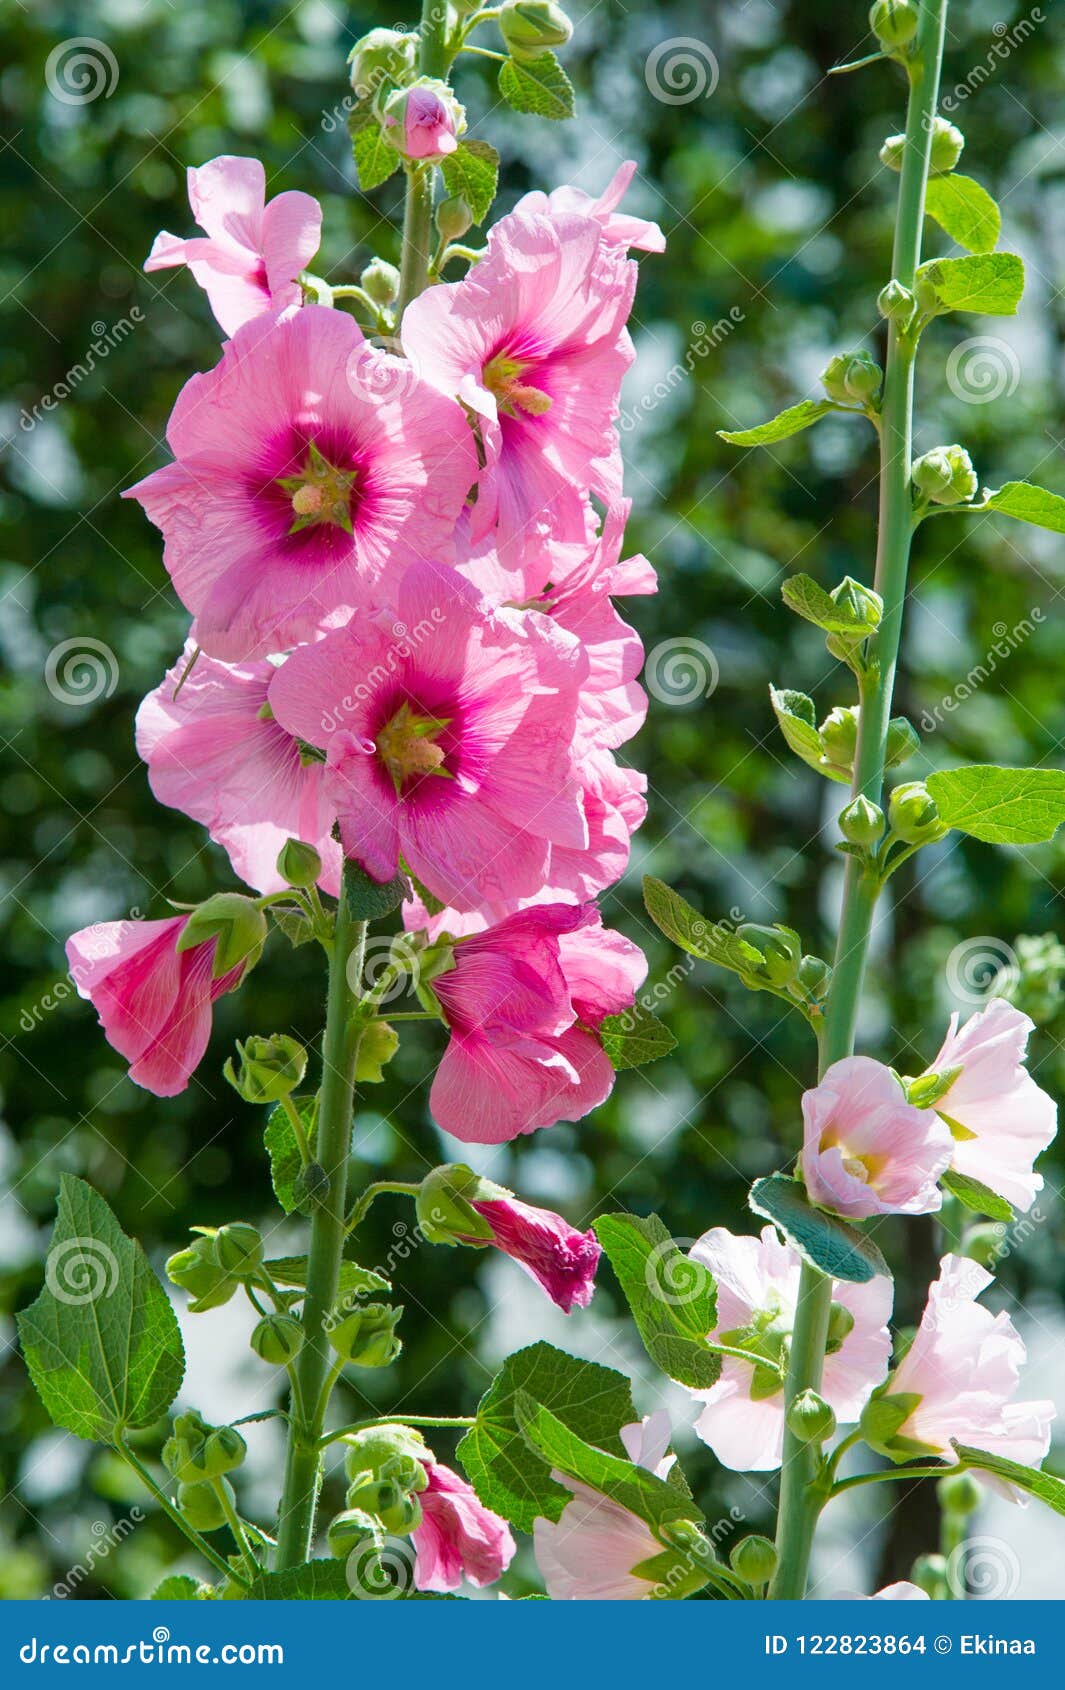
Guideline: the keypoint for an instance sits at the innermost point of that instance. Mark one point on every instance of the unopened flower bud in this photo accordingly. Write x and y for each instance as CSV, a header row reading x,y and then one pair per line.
x,y
236,923
532,27
198,1271
839,735
755,1559
298,863
424,120
893,152
913,814
896,303
984,1243
381,281
814,976
852,376
368,1337
929,1573
379,1449
840,1327
267,1069
385,58
902,741
947,144
893,22
444,1205
961,1494
238,1249
453,218
810,1418
862,823
377,1046
223,1451
347,1530
201,1506
780,947
278,1339
945,476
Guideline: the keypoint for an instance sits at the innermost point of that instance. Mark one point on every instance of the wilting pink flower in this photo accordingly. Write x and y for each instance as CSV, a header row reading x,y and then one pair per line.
x,y
533,340
458,1537
248,260
423,120
866,1151
216,752
965,1366
757,1289
903,1591
618,229
1006,1120
589,1552
305,463
519,1003
153,1001
449,730
561,1259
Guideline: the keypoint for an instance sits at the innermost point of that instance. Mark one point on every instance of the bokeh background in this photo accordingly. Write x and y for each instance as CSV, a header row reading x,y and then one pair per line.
x,y
765,177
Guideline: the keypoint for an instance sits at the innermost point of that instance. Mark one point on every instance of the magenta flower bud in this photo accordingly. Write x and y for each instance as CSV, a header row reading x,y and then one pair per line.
x,y
424,120
561,1259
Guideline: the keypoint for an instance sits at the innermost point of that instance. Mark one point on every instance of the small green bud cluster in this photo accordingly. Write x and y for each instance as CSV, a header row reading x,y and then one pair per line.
x,y
945,476
862,823
913,814
367,1336
299,864
948,143
381,281
215,1263
386,1468
382,60
199,1456
754,1559
896,303
839,737
810,1418
267,1069
278,1339
852,378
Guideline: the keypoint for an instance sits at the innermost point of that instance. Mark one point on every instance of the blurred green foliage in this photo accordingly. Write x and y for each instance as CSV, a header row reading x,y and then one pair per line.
x,y
779,219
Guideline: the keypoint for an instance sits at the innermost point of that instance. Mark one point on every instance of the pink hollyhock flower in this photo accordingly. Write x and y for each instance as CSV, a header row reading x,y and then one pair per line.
x,y
216,752
458,1537
588,1554
533,341
1005,1119
449,730
866,1151
520,1003
964,1365
251,254
757,1288
305,463
422,121
561,1259
617,228
154,1002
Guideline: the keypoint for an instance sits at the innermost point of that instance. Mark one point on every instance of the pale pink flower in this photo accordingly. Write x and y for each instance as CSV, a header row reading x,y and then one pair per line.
x,y
758,1281
216,752
533,341
306,462
458,1538
866,1151
561,1259
520,1004
449,729
903,1591
422,121
251,253
153,1001
589,1552
618,228
1006,1119
965,1366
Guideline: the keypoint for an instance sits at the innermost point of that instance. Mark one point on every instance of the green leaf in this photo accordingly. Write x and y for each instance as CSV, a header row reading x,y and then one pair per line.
x,y
795,716
1001,806
315,1581
354,1281
507,1474
781,427
807,598
1028,503
634,1038
101,1341
978,1197
827,1242
375,158
537,85
295,924
472,173
369,900
964,211
179,1587
673,1298
707,940
989,283
284,1154
1045,1487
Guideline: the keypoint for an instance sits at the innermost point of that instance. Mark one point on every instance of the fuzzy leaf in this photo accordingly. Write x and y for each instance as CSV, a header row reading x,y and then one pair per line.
x,y
977,1196
315,1581
472,173
988,283
1028,503
294,923
1045,1487
673,1298
179,1587
707,940
283,1151
537,85
369,900
807,598
635,1038
375,158
781,427
795,716
354,1281
1001,806
965,211
827,1242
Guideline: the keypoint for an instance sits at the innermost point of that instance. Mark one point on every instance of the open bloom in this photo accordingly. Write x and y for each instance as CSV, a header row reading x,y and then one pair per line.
x,y
449,730
458,1536
305,462
618,228
560,1259
964,1367
757,1289
154,1001
520,1003
866,1151
590,1552
216,752
251,253
1000,1118
533,340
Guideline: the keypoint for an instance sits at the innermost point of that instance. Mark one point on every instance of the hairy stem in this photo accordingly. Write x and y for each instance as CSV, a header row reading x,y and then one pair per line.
x,y
433,60
802,1494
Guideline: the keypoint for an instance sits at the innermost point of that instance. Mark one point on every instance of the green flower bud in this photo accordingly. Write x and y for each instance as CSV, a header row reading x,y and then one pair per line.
x,y
929,1573
839,735
852,376
532,27
961,1494
983,1243
810,1418
197,1271
222,1451
370,1494
863,603
453,218
202,1506
268,1069
893,152
902,741
347,1530
862,823
780,946
405,1515
368,1337
445,1209
385,58
893,22
299,863
896,303
947,145
381,281
235,922
278,1339
840,1327
755,1559
945,476
377,1046
913,814
238,1249
814,976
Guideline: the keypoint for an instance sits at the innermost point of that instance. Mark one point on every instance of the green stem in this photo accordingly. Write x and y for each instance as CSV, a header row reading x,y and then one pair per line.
x,y
361,1205
892,1474
217,1561
434,59
441,1422
332,1149
802,1491
298,1132
236,1526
